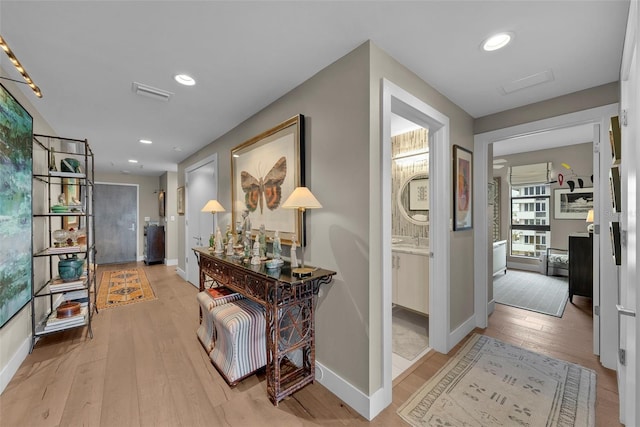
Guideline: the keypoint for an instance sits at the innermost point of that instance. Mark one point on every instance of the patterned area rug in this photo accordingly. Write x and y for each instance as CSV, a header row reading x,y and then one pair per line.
x,y
492,383
121,287
532,291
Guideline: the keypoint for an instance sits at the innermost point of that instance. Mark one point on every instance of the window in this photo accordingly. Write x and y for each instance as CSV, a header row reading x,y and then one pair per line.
x,y
530,226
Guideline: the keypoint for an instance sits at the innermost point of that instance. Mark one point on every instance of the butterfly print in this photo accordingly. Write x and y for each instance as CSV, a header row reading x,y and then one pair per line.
x,y
267,189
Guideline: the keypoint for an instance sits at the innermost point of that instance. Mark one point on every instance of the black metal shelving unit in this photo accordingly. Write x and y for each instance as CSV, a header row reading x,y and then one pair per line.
x,y
73,189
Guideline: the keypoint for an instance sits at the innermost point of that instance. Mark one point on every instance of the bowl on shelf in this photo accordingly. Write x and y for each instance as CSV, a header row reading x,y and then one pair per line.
x,y
70,269
60,237
59,209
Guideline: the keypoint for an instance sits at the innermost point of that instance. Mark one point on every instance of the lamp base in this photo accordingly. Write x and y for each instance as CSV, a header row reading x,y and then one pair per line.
x,y
302,271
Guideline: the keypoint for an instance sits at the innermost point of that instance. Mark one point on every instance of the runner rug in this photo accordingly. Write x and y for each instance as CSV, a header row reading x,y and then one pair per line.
x,y
122,287
492,383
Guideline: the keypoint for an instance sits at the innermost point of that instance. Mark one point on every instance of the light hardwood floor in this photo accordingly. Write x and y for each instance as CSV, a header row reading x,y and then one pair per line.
x,y
145,366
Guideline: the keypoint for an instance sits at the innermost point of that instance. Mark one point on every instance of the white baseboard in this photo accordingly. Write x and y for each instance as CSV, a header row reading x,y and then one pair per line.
x,y
350,395
172,261
370,406
181,273
491,306
14,363
461,331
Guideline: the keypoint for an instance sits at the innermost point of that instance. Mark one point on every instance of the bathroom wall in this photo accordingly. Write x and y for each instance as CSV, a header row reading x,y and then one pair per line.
x,y
401,171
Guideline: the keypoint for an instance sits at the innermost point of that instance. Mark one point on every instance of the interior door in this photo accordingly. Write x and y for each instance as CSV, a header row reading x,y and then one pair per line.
x,y
201,185
629,295
116,212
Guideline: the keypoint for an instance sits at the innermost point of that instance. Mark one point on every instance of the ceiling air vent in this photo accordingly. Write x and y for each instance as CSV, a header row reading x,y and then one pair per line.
x,y
151,92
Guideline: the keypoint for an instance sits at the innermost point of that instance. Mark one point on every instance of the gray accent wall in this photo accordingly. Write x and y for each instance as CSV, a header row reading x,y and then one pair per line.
x,y
570,103
461,306
335,103
341,105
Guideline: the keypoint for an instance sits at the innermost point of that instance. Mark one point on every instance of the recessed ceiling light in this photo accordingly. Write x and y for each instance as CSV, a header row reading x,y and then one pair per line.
x,y
497,41
133,161
146,141
184,79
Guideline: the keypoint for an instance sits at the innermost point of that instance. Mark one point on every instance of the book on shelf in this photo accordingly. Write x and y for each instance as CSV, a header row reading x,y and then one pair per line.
x,y
67,174
64,250
58,285
75,295
54,323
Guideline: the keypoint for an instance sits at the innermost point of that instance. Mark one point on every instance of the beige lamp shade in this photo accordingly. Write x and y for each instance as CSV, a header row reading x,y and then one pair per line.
x,y
301,198
590,215
213,206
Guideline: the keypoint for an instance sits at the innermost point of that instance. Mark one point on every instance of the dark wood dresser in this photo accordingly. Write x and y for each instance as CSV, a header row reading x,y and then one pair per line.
x,y
580,265
153,244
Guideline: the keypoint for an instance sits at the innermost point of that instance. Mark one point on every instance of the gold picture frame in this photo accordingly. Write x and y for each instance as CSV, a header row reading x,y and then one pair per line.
x,y
180,200
264,172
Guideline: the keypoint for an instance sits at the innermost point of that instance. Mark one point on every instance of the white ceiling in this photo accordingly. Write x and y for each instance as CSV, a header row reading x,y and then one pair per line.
x,y
244,55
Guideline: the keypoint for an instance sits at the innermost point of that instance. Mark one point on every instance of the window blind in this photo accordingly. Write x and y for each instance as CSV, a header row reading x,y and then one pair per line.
x,y
530,174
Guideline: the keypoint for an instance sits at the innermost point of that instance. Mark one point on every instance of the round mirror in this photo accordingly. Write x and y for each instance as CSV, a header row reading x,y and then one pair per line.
x,y
413,199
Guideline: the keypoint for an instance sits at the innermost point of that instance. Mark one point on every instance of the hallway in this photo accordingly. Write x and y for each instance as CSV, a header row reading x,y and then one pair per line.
x,y
146,366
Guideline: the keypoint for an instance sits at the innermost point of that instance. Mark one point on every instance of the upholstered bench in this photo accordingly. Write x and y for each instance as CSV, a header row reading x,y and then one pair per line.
x,y
208,299
240,347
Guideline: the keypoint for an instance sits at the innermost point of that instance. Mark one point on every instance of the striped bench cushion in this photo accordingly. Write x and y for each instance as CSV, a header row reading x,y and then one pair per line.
x,y
208,301
240,339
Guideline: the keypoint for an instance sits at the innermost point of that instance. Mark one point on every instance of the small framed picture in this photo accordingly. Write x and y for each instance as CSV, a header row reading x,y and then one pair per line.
x,y
161,203
572,204
462,189
419,194
180,200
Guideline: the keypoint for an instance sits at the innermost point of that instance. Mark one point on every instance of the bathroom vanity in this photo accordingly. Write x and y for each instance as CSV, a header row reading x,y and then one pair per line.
x,y
410,284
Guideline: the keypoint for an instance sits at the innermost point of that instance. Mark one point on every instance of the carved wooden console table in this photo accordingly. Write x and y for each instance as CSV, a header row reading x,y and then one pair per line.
x,y
289,310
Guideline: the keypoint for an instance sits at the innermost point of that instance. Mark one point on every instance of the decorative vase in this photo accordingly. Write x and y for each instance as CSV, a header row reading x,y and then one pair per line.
x,y
70,269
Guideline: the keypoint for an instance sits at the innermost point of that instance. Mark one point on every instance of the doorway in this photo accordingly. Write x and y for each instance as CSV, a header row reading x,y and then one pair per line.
x,y
116,213
409,243
201,185
604,324
396,100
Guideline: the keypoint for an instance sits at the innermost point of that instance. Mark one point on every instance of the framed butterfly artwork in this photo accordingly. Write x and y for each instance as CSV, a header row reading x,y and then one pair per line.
x,y
264,172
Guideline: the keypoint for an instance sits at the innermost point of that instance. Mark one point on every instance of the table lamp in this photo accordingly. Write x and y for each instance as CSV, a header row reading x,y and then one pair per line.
x,y
301,199
590,221
214,207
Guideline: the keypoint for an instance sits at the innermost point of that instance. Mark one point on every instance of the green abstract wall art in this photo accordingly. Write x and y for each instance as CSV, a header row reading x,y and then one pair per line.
x,y
16,165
